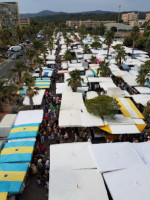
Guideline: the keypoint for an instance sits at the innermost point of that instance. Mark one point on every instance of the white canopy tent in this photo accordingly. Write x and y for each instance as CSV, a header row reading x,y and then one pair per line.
x,y
143,90
77,185
130,80
129,184
62,87
141,98
100,80
29,116
108,85
37,99
91,95
71,156
115,156
6,124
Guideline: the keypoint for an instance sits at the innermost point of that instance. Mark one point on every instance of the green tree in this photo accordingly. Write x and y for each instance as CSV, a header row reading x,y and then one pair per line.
x,y
109,37
146,113
128,41
93,59
147,44
75,80
6,92
140,42
39,61
19,68
143,76
102,106
31,54
68,56
37,44
31,91
134,36
101,29
68,41
96,45
86,49
121,54
147,31
104,69
51,45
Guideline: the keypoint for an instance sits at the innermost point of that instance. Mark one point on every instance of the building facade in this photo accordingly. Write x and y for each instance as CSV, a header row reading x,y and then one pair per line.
x,y
147,17
130,18
25,22
88,23
9,15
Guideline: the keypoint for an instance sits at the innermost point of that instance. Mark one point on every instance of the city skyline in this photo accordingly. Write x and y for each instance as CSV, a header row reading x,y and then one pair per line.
x,y
34,6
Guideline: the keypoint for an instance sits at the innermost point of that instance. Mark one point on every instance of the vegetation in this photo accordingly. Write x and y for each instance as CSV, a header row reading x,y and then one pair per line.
x,y
134,36
104,69
68,56
75,80
96,45
102,106
86,49
93,59
143,73
146,113
121,54
109,37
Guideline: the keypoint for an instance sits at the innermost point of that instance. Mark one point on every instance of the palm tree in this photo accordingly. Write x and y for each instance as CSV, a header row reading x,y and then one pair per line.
x,y
109,37
19,68
75,80
104,69
31,91
143,73
6,92
39,61
68,56
68,41
121,54
44,51
51,45
31,54
86,49
96,45
93,60
134,36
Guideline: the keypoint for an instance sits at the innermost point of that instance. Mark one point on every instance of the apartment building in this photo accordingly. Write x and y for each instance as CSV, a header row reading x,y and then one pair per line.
x,y
130,18
88,23
24,22
147,17
9,14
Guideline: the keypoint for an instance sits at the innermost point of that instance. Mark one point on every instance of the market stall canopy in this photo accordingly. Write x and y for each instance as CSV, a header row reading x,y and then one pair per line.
x,y
24,131
42,83
6,124
71,156
143,90
141,98
77,185
128,108
108,85
14,175
37,99
29,117
4,188
130,80
100,80
115,156
91,95
62,87
17,152
129,184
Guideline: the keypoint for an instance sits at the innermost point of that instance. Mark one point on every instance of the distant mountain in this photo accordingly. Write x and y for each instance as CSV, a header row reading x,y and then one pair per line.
x,y
40,14
48,12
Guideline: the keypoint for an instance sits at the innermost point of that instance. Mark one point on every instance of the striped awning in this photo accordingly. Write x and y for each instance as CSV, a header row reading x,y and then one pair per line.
x,y
17,152
42,83
24,131
11,178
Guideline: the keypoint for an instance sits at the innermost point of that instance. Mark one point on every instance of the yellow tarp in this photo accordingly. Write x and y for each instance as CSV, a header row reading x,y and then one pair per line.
x,y
12,176
21,129
106,128
16,150
3,195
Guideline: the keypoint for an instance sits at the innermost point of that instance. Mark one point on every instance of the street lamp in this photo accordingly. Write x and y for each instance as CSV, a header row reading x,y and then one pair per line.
x,y
119,14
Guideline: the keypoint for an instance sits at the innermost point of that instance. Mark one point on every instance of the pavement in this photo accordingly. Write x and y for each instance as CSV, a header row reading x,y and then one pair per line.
x,y
7,65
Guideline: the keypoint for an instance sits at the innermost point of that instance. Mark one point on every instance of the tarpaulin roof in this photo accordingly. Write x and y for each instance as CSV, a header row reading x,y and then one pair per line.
x,y
24,131
17,152
4,187
14,175
42,83
37,99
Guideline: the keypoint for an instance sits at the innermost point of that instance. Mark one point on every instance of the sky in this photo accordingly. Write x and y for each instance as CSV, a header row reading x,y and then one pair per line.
x,y
33,6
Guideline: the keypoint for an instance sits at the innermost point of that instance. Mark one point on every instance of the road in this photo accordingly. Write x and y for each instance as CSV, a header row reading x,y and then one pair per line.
x,y
6,66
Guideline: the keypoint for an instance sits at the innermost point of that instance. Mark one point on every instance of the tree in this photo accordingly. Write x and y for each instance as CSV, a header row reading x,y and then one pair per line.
x,y
37,44
75,80
51,45
114,29
109,36
102,106
31,54
134,36
86,49
68,41
121,54
128,41
142,76
93,59
6,92
147,31
96,45
19,68
146,113
31,91
43,50
147,44
39,61
104,69
68,56
101,29
140,42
